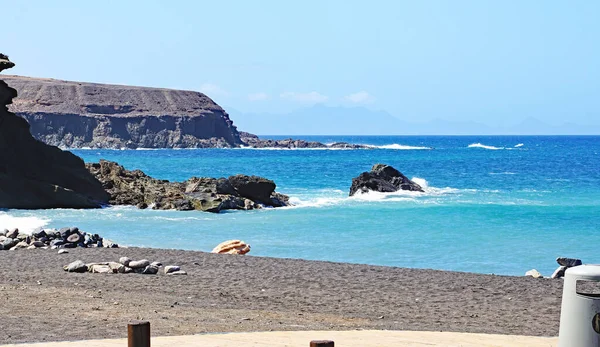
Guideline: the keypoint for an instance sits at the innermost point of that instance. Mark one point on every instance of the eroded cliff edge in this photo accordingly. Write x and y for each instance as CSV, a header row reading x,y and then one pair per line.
x,y
77,114
35,175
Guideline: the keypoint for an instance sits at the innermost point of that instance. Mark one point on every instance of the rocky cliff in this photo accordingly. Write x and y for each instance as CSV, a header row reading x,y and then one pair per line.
x,y
77,114
35,175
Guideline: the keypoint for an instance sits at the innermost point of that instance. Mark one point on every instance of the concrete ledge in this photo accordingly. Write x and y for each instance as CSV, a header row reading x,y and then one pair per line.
x,y
362,338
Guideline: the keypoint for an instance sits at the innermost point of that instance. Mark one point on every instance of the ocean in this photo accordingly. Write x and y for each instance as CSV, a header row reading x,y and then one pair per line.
x,y
492,204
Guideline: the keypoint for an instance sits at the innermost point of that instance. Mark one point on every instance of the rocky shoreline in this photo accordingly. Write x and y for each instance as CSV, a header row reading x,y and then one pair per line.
x,y
52,239
239,192
253,141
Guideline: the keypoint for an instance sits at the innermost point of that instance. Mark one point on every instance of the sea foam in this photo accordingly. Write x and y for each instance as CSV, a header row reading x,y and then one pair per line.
x,y
480,145
24,224
402,147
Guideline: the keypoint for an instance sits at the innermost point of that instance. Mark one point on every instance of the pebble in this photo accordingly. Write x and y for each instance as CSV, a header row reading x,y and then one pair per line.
x,y
101,269
150,270
534,273
76,266
568,262
171,268
559,272
125,261
139,264
176,273
12,234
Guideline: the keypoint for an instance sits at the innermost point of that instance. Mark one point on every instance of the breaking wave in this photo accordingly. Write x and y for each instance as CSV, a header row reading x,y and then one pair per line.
x,y
401,147
480,145
24,224
336,197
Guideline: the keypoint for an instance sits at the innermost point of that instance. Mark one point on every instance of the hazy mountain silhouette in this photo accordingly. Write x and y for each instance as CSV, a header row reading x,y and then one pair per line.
x,y
330,120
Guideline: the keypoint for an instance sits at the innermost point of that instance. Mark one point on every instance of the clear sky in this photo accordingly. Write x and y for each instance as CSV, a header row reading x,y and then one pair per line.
x,y
494,62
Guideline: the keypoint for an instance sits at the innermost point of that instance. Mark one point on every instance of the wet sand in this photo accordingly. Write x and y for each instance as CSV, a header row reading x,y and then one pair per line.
x,y
225,293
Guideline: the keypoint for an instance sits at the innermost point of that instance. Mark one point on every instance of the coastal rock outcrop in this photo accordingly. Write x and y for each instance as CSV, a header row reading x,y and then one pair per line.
x,y
239,192
34,175
382,178
77,114
251,140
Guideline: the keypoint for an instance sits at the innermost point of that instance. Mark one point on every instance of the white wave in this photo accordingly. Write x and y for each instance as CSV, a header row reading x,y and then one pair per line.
x,y
518,145
480,145
292,149
503,173
314,202
24,224
402,147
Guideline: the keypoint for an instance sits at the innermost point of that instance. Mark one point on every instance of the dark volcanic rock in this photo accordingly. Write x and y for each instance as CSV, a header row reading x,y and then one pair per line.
x,y
77,114
254,188
254,141
382,178
238,192
35,175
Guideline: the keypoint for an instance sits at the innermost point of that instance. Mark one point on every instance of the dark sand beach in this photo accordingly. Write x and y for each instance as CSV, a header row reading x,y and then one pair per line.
x,y
228,293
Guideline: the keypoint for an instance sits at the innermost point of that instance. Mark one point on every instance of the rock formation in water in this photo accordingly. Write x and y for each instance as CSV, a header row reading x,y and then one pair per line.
x,y
35,175
77,114
382,178
254,141
239,192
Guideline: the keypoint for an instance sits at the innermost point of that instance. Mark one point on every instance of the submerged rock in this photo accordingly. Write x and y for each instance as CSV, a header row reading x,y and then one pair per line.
x,y
382,178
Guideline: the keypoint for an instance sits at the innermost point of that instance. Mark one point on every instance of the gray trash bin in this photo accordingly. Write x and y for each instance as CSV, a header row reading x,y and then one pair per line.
x,y
580,312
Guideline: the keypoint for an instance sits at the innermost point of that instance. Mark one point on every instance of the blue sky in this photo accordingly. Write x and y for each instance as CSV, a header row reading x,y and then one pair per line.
x,y
496,63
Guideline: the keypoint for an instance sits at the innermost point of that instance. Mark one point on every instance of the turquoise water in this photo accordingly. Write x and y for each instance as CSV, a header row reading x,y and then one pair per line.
x,y
496,204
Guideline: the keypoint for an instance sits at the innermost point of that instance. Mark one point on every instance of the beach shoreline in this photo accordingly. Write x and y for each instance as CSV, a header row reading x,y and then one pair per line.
x,y
225,293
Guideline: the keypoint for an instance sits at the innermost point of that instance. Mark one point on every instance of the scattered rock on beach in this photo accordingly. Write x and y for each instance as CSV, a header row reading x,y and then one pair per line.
x,y
50,238
559,272
12,234
534,273
125,261
382,178
171,268
568,262
232,247
150,270
143,266
139,264
177,273
76,266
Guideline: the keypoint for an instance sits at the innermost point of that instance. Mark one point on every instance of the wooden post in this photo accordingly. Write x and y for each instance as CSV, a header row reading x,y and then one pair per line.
x,y
321,343
138,334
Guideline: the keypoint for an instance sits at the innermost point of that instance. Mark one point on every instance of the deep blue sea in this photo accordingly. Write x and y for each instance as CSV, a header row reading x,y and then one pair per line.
x,y
493,204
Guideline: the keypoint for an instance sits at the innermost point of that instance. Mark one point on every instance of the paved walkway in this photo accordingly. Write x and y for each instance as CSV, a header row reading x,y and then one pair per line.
x,y
357,338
